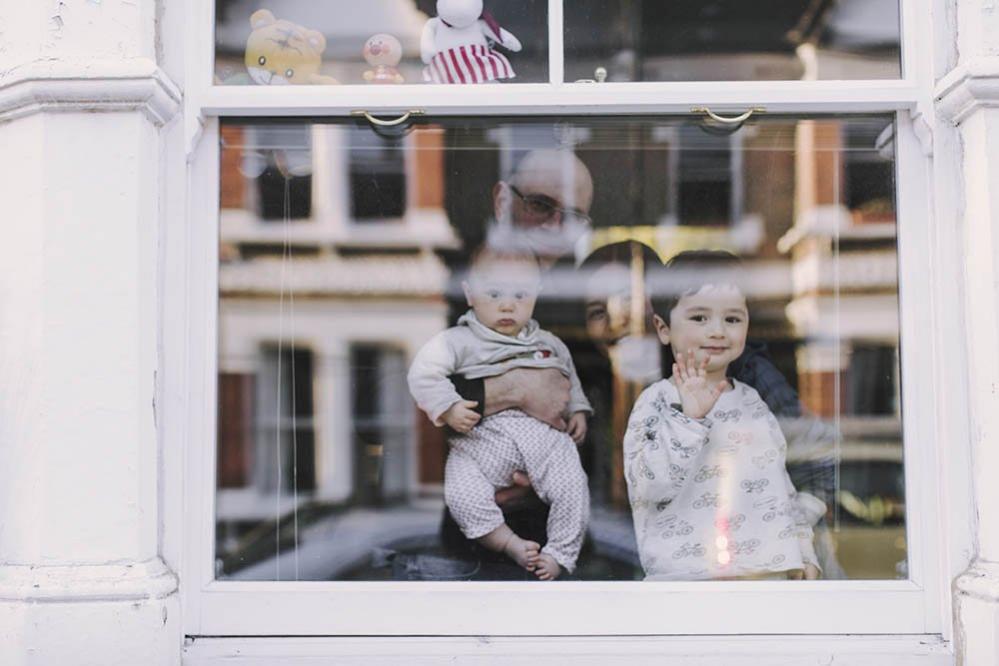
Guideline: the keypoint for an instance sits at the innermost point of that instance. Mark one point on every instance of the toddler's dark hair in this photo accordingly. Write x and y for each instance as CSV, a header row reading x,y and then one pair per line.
x,y
687,273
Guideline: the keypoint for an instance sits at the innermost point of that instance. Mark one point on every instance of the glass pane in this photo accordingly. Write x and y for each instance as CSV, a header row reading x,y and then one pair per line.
x,y
717,40
320,42
348,262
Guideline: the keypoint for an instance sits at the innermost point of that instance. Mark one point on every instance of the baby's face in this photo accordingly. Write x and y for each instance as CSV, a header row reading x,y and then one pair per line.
x,y
502,294
712,323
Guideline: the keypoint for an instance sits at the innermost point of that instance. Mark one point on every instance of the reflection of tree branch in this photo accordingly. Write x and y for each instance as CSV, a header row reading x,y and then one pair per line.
x,y
810,24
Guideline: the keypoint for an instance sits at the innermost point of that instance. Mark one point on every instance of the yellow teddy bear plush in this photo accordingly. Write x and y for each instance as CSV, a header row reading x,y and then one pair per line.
x,y
280,52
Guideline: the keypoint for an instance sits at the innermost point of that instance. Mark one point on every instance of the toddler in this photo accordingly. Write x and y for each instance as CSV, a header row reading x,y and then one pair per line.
x,y
704,456
495,335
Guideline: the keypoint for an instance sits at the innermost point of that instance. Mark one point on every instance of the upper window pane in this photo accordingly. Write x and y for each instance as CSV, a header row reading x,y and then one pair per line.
x,y
717,40
309,42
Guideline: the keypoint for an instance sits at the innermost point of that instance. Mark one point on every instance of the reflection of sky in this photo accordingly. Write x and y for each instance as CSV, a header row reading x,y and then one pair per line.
x,y
864,23
344,30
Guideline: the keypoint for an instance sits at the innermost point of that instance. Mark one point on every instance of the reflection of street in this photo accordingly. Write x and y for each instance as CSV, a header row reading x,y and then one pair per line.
x,y
375,543
331,546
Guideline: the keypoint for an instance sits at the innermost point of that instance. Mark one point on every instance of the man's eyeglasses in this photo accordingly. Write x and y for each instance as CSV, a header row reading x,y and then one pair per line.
x,y
544,208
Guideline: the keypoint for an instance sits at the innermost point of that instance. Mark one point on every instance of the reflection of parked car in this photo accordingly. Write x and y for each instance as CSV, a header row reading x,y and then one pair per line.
x,y
393,543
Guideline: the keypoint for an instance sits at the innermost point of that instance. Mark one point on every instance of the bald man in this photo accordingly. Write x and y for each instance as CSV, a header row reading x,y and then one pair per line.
x,y
544,206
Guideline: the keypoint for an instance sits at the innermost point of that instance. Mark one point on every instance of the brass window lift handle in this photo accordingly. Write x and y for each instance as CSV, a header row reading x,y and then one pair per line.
x,y
732,120
388,123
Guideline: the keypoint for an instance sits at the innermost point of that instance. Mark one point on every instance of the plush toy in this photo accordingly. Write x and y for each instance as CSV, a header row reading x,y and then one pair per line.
x,y
280,52
383,52
457,45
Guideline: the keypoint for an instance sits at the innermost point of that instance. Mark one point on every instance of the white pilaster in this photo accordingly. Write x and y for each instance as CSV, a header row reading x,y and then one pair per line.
x,y
82,104
968,97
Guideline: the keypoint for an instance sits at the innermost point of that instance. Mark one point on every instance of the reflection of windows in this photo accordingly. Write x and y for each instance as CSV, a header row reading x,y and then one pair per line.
x,y
872,380
235,455
705,179
285,425
281,159
382,421
870,181
377,177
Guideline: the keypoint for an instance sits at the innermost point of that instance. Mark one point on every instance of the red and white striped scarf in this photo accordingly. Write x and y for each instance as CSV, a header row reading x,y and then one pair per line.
x,y
470,63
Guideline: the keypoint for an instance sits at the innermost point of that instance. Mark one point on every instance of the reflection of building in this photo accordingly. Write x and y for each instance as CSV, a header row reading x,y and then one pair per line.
x,y
316,260
844,272
844,309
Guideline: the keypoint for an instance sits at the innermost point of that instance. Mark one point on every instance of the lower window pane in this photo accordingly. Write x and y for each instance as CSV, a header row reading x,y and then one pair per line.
x,y
370,283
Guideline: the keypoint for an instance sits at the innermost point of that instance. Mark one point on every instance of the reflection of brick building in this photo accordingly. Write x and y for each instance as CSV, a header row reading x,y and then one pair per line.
x,y
313,265
844,303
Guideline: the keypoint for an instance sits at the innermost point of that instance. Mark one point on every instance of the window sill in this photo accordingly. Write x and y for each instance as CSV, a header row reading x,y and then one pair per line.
x,y
925,650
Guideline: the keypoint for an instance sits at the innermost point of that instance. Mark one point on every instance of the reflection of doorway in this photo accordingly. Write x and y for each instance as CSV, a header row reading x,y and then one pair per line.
x,y
382,423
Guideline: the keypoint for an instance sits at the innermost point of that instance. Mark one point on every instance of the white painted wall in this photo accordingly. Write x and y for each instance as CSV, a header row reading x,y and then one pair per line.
x,y
968,97
82,580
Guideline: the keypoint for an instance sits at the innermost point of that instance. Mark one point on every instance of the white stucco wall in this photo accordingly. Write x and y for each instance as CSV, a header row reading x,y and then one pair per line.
x,y
82,103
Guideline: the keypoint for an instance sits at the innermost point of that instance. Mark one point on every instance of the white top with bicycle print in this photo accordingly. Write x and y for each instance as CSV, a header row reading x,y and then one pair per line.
x,y
711,497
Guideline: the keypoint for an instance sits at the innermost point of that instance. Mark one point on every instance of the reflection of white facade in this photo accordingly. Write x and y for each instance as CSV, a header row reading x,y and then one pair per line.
x,y
327,324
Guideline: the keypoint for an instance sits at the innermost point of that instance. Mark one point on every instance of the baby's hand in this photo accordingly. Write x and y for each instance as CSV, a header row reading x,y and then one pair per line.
x,y
461,416
577,427
697,395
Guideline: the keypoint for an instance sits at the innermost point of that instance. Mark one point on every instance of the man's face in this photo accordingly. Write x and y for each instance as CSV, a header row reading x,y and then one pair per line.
x,y
546,203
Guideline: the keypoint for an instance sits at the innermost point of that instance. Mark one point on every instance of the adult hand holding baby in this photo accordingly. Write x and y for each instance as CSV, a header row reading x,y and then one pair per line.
x,y
539,392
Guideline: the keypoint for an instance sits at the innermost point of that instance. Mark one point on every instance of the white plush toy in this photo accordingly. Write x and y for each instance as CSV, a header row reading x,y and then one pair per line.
x,y
457,45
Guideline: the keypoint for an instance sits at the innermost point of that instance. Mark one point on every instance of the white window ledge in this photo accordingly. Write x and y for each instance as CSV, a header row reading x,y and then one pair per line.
x,y
635,651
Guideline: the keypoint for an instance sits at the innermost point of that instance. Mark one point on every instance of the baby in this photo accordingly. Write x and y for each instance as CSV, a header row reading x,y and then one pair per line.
x,y
498,334
704,456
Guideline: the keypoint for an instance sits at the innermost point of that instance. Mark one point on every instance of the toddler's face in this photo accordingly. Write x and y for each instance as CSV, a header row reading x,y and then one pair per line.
x,y
502,294
712,323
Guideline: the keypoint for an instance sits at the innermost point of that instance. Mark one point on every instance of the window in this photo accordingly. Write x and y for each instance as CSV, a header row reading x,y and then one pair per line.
x,y
817,195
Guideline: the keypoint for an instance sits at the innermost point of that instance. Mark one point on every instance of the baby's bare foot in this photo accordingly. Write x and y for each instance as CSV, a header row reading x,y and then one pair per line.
x,y
523,552
546,567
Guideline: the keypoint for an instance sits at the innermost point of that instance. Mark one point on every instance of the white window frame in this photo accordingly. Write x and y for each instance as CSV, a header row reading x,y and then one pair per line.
x,y
919,605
